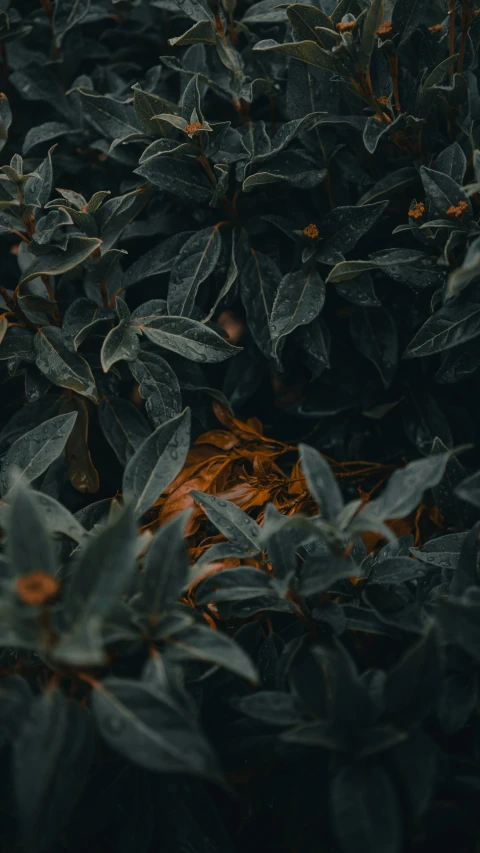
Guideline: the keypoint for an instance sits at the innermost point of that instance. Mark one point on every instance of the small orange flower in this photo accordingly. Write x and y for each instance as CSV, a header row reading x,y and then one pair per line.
x,y
457,210
344,26
436,28
385,29
193,127
37,587
417,210
311,231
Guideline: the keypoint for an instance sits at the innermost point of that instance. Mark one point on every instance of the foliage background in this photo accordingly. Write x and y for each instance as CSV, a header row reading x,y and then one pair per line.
x,y
234,235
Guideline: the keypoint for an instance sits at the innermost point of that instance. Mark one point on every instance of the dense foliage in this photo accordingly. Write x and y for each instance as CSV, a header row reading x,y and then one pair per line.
x,y
215,214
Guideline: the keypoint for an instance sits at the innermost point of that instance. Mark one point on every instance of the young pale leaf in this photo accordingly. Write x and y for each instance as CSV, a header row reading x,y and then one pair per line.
x,y
157,462
194,263
232,521
321,482
32,453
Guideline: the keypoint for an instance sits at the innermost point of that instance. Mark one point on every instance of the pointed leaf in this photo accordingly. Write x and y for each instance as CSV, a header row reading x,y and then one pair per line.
x,y
32,453
157,462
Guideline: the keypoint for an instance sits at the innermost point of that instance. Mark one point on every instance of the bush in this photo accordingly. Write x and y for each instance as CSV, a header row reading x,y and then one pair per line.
x,y
205,640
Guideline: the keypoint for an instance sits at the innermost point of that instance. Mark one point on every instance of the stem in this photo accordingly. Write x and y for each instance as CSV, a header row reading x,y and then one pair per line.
x,y
203,159
47,8
465,21
51,296
393,68
15,309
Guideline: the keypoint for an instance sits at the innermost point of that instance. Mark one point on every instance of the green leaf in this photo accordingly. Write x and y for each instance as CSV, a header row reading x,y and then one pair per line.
x,y
42,738
365,809
157,462
232,521
406,487
304,19
80,318
454,323
62,367
196,260
120,344
201,643
158,260
158,386
103,567
300,298
374,334
111,118
405,17
149,729
67,14
58,261
321,482
184,179
371,23
32,453
188,338
306,51
5,119
343,227
166,565
123,425
413,686
259,281
30,546
203,32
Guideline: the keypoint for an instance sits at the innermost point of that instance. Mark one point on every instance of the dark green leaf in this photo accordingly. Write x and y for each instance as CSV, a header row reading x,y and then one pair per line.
x,y
374,334
365,809
32,453
123,425
62,367
188,338
194,263
157,462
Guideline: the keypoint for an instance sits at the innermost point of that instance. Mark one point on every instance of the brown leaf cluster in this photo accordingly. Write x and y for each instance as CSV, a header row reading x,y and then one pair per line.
x,y
240,464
